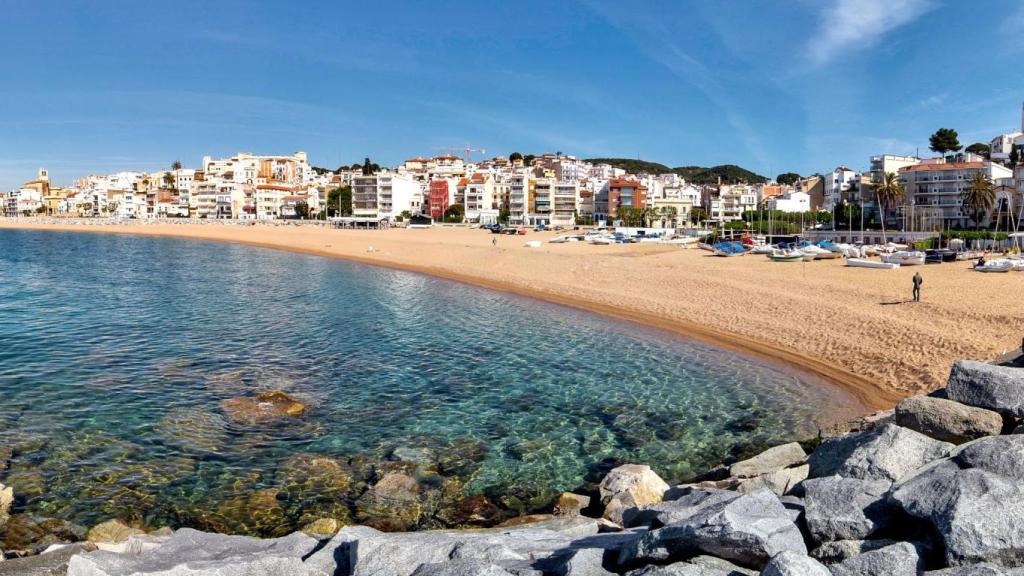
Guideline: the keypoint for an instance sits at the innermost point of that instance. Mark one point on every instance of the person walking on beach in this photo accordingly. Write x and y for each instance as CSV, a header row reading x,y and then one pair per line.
x,y
494,241
917,286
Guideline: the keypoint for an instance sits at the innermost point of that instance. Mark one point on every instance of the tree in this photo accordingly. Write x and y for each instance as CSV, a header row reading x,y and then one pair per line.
x,y
979,196
1014,155
888,192
503,215
944,140
515,156
367,167
979,148
176,165
669,214
787,178
528,160
697,215
455,213
302,210
345,201
405,215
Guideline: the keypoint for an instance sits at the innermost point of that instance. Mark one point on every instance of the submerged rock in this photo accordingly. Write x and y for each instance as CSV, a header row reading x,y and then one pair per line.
x,y
194,429
26,532
263,408
947,420
393,503
111,532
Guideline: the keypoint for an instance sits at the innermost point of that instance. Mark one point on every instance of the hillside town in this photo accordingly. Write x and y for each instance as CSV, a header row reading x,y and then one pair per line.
x,y
554,190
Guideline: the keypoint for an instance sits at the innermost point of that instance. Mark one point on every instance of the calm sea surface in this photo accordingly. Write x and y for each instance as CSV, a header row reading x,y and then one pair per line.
x,y
116,351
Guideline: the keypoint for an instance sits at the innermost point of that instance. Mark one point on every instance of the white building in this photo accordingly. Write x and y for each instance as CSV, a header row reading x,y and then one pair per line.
x,y
480,203
383,196
791,202
518,198
1002,145
24,201
731,202
838,185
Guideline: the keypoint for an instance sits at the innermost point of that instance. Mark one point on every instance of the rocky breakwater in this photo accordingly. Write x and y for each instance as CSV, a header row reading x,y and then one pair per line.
x,y
936,486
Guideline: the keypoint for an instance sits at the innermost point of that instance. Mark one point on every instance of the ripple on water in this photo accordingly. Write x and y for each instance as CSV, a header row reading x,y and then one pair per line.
x,y
119,353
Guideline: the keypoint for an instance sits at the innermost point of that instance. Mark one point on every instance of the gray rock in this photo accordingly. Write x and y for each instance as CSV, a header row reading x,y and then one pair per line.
x,y
193,553
748,530
977,570
839,508
999,388
771,460
979,511
793,564
462,567
682,508
897,560
889,452
585,562
1003,455
362,551
699,566
947,420
779,482
638,481
53,563
832,552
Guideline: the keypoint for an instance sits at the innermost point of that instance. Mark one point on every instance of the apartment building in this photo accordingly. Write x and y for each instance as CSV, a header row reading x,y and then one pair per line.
x,y
615,194
518,198
383,196
731,201
935,191
838,185
479,200
442,195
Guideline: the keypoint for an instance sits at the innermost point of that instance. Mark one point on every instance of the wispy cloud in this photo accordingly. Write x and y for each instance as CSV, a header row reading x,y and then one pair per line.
x,y
933,101
850,25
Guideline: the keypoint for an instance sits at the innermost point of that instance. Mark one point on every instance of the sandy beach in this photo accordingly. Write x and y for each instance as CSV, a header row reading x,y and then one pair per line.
x,y
855,327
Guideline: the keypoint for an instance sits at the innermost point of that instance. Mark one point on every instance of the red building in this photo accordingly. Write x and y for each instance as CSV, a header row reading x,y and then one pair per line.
x,y
440,194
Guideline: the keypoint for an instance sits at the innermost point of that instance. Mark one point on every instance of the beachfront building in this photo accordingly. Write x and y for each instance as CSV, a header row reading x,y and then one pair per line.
x,y
731,201
838,185
935,192
615,194
814,186
791,201
383,196
674,195
23,202
442,195
479,200
518,198
565,200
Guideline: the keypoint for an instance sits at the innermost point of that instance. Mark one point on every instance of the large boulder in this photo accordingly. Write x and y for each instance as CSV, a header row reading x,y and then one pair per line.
x,y
462,567
192,553
999,388
779,482
975,501
547,546
984,569
897,560
640,482
749,530
889,452
770,460
793,564
569,504
947,420
699,566
837,508
678,510
52,562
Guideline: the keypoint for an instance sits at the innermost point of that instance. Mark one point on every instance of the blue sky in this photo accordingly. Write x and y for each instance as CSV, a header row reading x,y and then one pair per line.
x,y
799,85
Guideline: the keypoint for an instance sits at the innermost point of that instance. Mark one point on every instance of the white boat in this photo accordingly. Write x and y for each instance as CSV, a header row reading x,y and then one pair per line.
x,y
905,258
786,256
1018,264
819,253
862,263
763,249
995,266
602,240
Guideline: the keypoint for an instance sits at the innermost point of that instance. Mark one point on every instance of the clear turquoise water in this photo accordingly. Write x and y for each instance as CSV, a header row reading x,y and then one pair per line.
x,y
115,352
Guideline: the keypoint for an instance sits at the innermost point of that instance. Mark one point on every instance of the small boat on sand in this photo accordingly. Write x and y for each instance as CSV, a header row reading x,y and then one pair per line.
x,y
995,266
783,256
863,263
728,249
905,258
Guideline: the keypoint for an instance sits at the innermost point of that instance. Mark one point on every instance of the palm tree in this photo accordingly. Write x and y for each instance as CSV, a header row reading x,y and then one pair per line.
x,y
979,196
888,192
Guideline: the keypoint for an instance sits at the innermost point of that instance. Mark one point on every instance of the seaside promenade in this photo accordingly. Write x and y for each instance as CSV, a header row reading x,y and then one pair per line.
x,y
856,327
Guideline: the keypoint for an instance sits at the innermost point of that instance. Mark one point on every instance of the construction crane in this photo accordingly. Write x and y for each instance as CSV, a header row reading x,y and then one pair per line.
x,y
468,150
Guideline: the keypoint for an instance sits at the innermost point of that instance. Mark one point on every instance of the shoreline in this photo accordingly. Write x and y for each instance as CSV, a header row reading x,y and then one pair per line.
x,y
821,319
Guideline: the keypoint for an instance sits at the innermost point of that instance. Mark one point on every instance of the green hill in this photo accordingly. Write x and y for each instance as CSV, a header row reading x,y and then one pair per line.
x,y
730,173
632,165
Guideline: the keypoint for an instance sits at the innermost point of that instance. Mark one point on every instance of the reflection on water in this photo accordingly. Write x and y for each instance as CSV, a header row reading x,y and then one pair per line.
x,y
117,352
